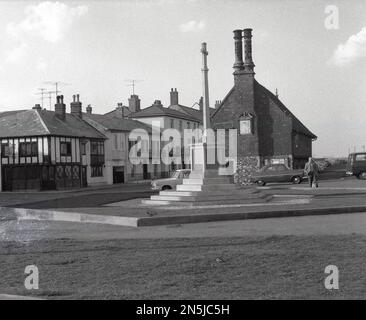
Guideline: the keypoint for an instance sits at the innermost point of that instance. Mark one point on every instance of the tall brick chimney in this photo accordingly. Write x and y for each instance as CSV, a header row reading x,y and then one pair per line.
x,y
157,103
173,97
200,103
244,78
134,103
60,107
238,44
89,109
121,110
75,106
248,61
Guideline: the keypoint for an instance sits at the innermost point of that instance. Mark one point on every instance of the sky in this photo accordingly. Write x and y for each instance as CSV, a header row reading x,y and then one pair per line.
x,y
314,52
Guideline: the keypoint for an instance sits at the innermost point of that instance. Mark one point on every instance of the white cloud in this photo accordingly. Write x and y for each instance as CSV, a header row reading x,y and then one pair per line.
x,y
192,26
16,54
353,49
41,65
47,20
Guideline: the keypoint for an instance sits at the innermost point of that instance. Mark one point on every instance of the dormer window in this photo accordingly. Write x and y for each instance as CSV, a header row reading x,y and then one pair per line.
x,y
246,124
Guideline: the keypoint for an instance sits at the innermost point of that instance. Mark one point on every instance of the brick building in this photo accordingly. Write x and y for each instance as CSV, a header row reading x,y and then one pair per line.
x,y
267,131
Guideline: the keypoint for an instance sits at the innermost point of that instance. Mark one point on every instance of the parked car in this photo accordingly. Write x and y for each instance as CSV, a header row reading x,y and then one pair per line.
x,y
356,165
170,183
277,173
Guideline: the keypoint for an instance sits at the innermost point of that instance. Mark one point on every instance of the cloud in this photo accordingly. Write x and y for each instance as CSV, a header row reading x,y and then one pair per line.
x,y
47,20
354,48
192,26
16,54
41,65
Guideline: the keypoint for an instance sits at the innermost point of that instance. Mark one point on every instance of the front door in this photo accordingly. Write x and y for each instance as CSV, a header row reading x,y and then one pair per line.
x,y
7,179
118,175
145,172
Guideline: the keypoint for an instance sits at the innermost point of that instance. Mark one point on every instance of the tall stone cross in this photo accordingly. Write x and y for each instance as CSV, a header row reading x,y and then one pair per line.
x,y
206,100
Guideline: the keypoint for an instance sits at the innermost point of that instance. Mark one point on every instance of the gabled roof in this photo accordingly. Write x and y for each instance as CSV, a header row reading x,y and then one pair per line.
x,y
116,112
26,123
197,114
297,125
21,123
116,124
160,111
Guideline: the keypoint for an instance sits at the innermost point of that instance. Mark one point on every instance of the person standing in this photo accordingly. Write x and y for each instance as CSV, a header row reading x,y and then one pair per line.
x,y
311,170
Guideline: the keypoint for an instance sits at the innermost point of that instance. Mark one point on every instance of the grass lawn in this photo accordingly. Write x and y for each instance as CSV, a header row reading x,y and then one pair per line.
x,y
275,267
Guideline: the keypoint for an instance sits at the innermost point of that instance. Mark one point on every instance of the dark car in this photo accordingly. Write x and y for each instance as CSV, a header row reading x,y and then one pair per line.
x,y
356,165
277,173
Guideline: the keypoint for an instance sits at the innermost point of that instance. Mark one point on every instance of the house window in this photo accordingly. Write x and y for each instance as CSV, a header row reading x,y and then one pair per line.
x,y
123,143
180,125
246,126
65,149
5,150
96,152
116,142
28,149
83,148
172,123
97,171
188,125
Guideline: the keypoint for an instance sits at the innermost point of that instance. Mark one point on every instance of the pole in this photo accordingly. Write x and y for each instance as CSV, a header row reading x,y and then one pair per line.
x,y
206,100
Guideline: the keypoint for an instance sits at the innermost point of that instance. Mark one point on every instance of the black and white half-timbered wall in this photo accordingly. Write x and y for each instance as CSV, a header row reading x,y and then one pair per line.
x,y
46,150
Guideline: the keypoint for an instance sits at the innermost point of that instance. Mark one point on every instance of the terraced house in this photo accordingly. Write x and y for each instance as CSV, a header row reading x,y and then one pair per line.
x,y
45,150
175,116
118,167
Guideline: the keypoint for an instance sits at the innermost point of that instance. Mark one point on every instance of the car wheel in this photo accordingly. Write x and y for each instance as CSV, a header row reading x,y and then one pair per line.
x,y
296,180
362,176
261,183
166,188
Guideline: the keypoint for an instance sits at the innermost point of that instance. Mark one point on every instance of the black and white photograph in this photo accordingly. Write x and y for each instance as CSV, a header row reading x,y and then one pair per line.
x,y
182,154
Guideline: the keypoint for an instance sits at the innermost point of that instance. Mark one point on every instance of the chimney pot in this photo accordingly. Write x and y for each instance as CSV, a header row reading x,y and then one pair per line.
x,y
200,103
174,100
89,109
76,106
217,103
248,61
134,103
60,107
238,44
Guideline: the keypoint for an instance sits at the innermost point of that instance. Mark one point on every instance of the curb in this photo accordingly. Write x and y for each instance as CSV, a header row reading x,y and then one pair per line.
x,y
199,218
46,215
16,297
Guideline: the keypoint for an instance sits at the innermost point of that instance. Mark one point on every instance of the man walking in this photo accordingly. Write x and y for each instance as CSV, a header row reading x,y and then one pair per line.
x,y
312,171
